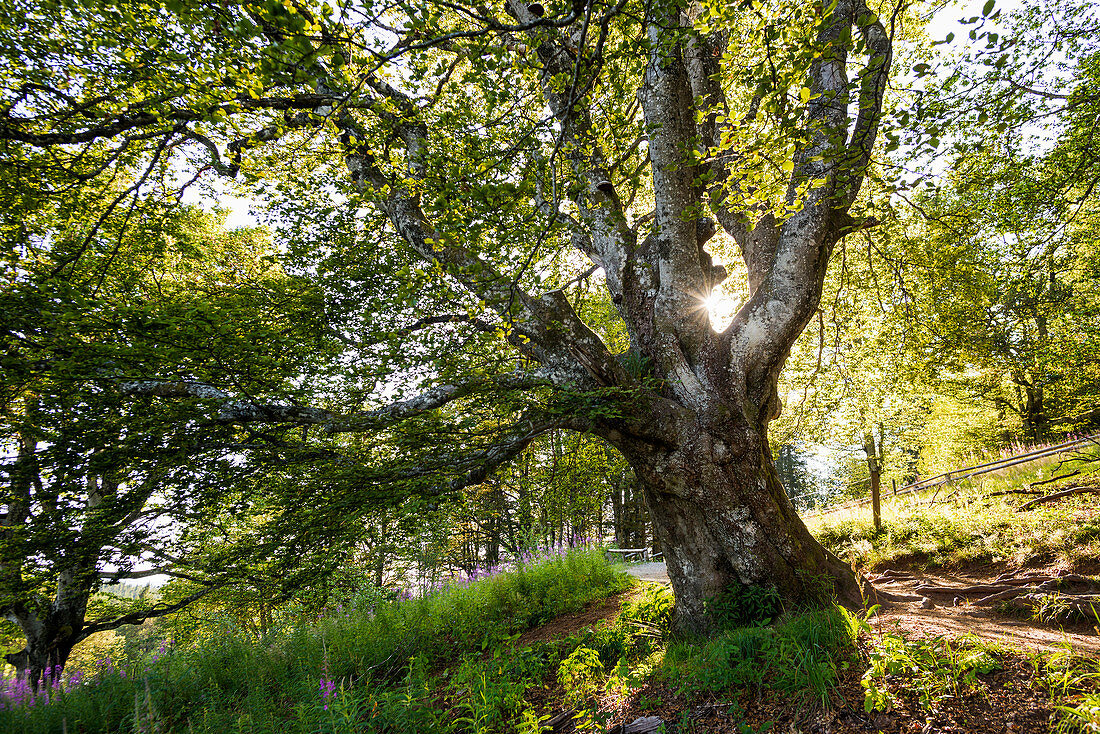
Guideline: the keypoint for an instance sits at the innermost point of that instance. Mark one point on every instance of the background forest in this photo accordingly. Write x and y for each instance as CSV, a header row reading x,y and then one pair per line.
x,y
354,395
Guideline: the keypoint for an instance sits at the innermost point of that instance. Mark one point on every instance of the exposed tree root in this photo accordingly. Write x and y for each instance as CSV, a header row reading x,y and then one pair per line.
x,y
891,575
1086,606
875,595
1010,587
960,590
1006,594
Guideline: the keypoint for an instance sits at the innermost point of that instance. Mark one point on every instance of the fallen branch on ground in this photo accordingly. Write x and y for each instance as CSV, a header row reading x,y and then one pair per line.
x,y
1014,491
1079,489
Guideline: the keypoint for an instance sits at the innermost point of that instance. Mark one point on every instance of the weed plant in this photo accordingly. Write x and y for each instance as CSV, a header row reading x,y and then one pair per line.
x,y
933,669
1074,684
361,670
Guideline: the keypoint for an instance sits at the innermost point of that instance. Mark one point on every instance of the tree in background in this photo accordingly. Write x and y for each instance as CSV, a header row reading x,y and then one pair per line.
x,y
95,482
967,318
1003,266
851,375
997,252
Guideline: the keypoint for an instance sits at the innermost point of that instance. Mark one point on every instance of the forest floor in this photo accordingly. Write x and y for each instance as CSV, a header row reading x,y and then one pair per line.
x,y
1017,697
951,614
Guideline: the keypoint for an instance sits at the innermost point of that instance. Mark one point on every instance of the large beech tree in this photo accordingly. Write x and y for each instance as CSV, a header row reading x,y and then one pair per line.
x,y
497,152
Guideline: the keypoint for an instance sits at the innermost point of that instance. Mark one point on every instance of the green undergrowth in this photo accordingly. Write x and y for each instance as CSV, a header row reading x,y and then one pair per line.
x,y
452,664
932,669
799,657
362,670
1073,682
972,523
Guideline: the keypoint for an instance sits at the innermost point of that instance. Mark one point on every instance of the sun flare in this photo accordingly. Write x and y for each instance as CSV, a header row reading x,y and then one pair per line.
x,y
719,308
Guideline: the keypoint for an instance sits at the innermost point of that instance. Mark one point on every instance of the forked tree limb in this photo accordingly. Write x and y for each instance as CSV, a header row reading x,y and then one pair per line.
x,y
157,610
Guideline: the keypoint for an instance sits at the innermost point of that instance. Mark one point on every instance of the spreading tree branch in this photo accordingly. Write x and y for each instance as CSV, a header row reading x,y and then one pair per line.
x,y
157,610
229,408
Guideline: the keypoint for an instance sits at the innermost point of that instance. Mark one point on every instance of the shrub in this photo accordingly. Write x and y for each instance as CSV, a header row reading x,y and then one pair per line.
x,y
739,605
581,675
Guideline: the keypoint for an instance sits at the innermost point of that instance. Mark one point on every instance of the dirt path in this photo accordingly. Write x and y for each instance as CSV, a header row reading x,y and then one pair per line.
x,y
950,618
649,572
954,616
568,624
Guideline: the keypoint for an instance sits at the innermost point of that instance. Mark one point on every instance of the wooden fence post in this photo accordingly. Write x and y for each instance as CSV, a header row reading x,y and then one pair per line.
x,y
874,463
876,507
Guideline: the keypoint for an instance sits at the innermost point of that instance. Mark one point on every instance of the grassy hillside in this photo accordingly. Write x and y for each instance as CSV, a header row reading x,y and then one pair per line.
x,y
377,667
976,522
496,655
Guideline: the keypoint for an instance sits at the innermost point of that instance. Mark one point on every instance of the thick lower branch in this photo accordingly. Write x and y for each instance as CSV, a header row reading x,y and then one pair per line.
x,y
234,409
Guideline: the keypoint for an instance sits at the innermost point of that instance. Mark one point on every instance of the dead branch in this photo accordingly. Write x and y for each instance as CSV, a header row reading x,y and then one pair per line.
x,y
1079,489
1055,479
1014,491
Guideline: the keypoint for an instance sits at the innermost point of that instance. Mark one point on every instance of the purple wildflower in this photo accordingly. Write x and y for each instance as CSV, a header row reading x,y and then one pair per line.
x,y
327,691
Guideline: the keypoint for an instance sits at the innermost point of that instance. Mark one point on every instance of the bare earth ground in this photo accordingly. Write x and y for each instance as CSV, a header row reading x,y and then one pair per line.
x,y
949,617
1008,701
649,572
954,617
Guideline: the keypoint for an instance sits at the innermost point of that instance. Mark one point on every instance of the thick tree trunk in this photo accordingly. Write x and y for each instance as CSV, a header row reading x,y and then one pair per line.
x,y
699,449
48,642
723,520
42,661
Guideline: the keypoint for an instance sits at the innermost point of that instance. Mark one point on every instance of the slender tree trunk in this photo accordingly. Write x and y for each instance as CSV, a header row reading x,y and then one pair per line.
x,y
637,514
1036,421
874,466
617,509
496,525
381,537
